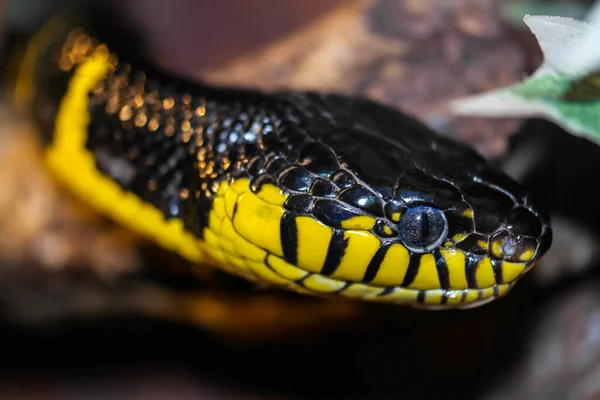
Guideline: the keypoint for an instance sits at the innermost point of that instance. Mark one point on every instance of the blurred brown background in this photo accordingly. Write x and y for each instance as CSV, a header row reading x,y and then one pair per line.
x,y
91,312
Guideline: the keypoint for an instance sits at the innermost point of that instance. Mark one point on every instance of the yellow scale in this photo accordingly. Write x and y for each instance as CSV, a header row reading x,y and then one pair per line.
x,y
243,232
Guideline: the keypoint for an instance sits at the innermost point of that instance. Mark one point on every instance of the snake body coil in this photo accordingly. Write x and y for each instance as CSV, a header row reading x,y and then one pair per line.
x,y
318,193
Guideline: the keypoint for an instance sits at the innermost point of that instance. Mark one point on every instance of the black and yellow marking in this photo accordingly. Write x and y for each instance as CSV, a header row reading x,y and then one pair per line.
x,y
361,248
375,264
442,270
362,222
289,238
527,255
496,248
75,166
253,229
497,268
427,274
484,274
313,243
386,272
457,268
393,268
335,252
471,264
412,270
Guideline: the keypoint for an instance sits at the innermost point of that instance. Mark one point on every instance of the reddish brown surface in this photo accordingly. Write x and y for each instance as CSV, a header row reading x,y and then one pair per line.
x,y
413,54
188,34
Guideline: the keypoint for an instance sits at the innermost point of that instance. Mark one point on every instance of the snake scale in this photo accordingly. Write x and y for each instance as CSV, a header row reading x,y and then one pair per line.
x,y
318,193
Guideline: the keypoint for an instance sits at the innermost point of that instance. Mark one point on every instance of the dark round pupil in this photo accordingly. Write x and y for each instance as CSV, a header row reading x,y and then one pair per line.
x,y
422,228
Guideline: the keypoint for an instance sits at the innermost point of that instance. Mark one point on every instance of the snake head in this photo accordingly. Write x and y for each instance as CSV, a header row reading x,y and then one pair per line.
x,y
424,220
390,211
482,228
380,208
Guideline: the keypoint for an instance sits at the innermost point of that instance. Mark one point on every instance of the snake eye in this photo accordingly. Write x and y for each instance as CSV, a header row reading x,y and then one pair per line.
x,y
422,228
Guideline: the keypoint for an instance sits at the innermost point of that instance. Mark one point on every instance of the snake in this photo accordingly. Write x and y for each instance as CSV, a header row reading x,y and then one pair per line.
x,y
324,194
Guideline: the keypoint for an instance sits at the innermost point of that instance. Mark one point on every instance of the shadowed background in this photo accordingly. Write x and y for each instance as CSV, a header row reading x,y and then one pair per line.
x,y
90,311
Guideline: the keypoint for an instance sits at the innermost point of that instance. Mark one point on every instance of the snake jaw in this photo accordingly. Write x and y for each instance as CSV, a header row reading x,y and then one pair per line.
x,y
314,267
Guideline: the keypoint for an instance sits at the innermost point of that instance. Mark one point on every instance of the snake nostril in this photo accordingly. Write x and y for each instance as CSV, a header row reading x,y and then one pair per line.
x,y
509,247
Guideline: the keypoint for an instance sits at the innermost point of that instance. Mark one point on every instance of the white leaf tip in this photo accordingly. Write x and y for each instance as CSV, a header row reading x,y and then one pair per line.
x,y
495,104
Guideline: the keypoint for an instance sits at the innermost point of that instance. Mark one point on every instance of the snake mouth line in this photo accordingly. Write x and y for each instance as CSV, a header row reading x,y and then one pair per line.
x,y
434,299
275,271
232,239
